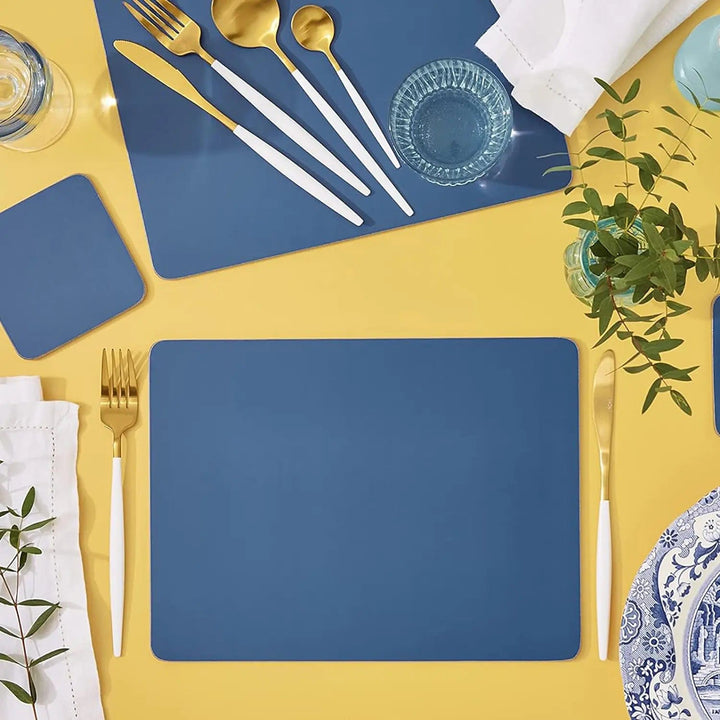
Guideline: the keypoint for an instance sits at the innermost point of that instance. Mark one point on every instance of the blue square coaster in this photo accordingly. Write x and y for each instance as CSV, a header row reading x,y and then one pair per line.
x,y
65,268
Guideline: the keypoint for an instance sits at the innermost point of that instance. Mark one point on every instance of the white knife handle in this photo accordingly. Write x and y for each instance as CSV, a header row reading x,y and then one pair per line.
x,y
351,141
368,117
603,578
290,127
117,557
300,177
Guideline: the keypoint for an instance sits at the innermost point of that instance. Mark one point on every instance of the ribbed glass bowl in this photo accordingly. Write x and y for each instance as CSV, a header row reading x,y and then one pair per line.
x,y
451,121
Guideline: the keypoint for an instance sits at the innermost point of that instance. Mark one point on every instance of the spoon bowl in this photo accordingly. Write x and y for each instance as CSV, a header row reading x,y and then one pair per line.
x,y
248,23
314,29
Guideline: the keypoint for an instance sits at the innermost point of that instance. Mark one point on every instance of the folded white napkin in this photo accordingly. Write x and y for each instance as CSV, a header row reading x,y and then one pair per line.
x,y
38,446
550,50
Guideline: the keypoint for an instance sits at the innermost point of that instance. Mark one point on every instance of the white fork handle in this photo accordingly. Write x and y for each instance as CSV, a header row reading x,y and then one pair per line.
x,y
117,557
294,172
603,578
296,132
351,141
368,117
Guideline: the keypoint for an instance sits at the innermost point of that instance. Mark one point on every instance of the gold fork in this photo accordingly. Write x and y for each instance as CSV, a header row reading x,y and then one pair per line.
x,y
180,34
118,412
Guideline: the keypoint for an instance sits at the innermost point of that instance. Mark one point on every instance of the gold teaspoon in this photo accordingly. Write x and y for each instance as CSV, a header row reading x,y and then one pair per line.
x,y
314,29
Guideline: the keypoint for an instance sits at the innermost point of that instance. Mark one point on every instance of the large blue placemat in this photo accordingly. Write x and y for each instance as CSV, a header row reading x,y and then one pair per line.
x,y
365,500
209,202
65,268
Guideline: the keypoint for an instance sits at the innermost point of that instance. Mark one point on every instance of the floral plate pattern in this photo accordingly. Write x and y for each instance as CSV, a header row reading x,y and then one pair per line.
x,y
670,629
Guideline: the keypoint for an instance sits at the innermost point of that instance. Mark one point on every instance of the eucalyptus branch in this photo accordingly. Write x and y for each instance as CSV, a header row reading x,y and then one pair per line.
x,y
640,253
16,536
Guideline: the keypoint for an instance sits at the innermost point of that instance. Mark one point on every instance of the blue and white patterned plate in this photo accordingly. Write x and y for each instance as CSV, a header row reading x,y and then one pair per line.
x,y
670,631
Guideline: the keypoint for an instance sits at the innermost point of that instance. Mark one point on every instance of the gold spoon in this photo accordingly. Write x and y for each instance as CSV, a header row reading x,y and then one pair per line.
x,y
314,29
254,23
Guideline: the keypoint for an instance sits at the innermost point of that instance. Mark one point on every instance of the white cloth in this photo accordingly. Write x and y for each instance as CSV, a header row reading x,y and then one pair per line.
x,y
550,50
38,446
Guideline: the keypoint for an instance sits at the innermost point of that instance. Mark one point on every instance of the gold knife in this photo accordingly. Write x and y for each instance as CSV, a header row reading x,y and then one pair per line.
x,y
604,404
169,76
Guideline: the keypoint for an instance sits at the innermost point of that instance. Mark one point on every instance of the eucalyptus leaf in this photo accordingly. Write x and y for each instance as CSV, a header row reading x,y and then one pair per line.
x,y
681,402
680,183
28,502
570,188
581,223
635,369
644,268
48,656
560,168
673,111
631,113
20,693
41,620
38,525
31,550
592,198
7,658
606,153
576,208
608,333
646,179
632,92
660,346
652,164
652,394
608,89
702,269
653,237
677,308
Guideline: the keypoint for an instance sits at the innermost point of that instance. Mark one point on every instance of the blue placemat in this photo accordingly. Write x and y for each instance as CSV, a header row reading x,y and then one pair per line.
x,y
209,202
65,268
716,360
365,500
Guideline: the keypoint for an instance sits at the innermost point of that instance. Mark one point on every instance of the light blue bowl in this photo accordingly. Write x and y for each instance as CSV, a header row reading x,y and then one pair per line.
x,y
451,121
697,63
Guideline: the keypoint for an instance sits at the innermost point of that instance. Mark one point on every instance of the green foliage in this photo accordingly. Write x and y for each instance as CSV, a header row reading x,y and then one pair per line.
x,y
654,267
20,540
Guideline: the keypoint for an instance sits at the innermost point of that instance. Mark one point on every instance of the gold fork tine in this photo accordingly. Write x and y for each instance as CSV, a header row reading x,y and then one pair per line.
x,y
122,398
175,11
161,35
166,17
126,379
113,380
104,378
132,377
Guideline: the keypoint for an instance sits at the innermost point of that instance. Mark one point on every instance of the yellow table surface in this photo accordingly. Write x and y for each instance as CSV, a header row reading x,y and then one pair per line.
x,y
438,279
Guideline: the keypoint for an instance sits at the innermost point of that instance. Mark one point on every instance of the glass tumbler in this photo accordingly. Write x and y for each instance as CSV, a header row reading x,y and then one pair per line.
x,y
36,101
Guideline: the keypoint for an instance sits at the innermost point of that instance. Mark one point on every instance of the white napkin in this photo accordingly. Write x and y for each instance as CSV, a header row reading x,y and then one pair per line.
x,y
550,50
38,446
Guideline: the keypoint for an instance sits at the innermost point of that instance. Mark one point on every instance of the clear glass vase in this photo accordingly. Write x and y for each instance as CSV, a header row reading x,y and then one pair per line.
x,y
578,258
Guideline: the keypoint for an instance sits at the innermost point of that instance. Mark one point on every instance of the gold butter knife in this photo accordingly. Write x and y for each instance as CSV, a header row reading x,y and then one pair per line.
x,y
604,404
169,76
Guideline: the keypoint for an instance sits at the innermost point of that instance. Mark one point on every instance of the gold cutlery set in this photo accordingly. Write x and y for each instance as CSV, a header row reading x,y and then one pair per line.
x,y
253,24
